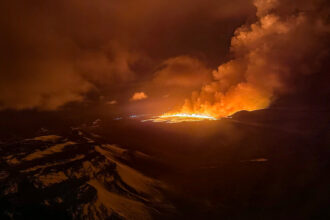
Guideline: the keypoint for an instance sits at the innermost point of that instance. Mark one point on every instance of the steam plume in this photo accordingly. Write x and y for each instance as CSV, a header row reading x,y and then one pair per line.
x,y
268,55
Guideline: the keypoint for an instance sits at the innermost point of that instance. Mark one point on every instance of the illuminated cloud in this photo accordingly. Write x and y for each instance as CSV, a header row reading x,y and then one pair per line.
x,y
138,96
49,58
182,71
282,46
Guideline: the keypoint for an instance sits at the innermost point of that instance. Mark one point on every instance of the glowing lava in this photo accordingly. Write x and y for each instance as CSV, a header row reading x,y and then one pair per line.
x,y
181,117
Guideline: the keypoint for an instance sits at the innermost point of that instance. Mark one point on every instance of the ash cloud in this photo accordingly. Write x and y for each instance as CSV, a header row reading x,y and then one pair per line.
x,y
182,71
288,41
56,52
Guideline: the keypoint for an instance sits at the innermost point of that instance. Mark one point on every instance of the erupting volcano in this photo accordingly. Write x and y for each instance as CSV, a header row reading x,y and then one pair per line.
x,y
165,109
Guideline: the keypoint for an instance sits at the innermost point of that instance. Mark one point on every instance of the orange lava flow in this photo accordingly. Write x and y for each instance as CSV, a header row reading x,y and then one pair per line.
x,y
181,117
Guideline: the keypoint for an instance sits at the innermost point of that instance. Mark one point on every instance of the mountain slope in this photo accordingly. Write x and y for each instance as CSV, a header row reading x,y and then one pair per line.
x,y
69,177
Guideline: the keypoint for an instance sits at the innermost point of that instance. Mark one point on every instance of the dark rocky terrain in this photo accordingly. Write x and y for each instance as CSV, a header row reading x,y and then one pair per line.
x,y
73,176
267,164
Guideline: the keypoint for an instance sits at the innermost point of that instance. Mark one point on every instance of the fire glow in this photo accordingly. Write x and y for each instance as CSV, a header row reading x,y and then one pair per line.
x,y
181,117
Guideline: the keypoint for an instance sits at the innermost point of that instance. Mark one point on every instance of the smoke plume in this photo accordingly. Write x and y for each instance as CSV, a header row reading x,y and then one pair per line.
x,y
57,52
286,42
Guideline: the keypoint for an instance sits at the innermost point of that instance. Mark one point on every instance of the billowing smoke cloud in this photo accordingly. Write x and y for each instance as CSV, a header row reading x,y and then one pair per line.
x,y
183,71
286,42
56,52
46,62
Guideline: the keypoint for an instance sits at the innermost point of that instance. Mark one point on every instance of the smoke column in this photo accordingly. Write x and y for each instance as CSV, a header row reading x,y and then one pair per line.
x,y
285,43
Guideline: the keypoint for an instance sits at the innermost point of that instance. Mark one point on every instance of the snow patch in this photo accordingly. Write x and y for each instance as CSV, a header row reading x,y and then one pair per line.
x,y
47,138
125,207
53,149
